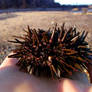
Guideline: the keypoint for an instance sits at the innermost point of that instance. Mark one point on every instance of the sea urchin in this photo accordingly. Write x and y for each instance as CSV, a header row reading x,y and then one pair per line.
x,y
55,53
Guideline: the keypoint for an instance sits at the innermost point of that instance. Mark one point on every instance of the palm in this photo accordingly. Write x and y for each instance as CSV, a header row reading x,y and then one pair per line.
x,y
12,80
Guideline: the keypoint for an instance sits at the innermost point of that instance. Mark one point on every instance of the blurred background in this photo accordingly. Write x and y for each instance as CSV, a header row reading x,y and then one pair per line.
x,y
15,15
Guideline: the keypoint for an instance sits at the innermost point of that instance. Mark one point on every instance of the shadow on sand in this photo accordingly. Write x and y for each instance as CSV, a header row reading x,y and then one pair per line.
x,y
7,15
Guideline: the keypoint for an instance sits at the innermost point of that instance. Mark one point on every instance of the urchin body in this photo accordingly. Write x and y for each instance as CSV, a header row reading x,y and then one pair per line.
x,y
55,53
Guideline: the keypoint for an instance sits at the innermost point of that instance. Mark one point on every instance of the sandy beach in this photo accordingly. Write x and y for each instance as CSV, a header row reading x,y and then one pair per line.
x,y
13,23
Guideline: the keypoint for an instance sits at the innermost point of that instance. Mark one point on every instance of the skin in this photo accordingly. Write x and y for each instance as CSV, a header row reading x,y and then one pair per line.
x,y
12,80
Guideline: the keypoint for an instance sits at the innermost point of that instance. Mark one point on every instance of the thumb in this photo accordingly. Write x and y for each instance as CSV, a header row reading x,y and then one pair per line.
x,y
9,61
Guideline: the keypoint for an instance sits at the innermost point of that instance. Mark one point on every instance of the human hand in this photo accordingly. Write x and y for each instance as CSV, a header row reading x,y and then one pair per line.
x,y
12,80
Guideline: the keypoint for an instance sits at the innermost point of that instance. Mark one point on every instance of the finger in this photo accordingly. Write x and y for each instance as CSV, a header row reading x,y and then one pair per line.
x,y
9,61
90,71
72,86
